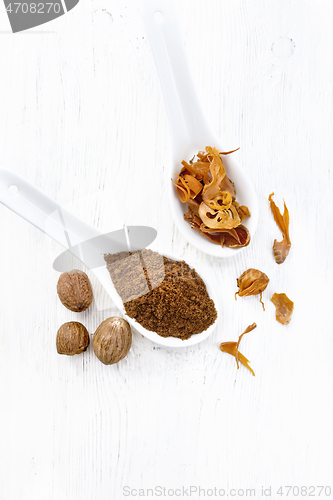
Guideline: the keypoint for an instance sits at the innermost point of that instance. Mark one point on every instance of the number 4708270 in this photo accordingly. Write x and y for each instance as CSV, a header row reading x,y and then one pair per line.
x,y
302,491
33,8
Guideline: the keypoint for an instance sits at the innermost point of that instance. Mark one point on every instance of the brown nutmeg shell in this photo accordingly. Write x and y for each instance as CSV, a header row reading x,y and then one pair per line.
x,y
72,338
112,340
74,290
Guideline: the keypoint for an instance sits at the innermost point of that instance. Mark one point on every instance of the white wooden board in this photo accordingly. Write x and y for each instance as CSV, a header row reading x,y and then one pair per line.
x,y
82,116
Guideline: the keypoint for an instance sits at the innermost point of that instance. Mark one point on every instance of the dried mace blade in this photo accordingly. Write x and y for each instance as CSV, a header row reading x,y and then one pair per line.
x,y
211,196
233,349
284,308
252,282
281,248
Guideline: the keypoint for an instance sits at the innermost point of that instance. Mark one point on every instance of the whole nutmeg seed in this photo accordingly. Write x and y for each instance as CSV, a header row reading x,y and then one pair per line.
x,y
112,340
74,290
72,338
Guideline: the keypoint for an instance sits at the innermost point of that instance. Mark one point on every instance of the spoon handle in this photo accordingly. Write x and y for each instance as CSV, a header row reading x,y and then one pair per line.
x,y
187,122
35,207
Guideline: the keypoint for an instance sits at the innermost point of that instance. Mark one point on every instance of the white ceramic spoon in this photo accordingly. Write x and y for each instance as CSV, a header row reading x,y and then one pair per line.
x,y
189,129
86,243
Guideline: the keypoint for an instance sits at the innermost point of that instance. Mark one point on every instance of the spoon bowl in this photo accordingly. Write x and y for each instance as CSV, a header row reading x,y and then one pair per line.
x,y
103,276
245,196
87,244
189,128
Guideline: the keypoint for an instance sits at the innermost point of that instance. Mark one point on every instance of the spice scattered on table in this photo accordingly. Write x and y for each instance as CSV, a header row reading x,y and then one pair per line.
x,y
163,295
284,308
211,197
233,349
252,282
281,248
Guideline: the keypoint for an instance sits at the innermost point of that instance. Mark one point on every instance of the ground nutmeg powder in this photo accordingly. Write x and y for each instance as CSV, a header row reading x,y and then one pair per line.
x,y
163,295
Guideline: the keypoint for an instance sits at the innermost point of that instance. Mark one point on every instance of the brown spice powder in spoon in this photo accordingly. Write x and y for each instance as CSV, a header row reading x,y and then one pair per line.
x,y
163,295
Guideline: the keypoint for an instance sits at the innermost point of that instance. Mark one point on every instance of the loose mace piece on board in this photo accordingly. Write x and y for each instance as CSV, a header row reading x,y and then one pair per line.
x,y
252,282
281,248
284,308
232,348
